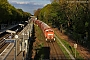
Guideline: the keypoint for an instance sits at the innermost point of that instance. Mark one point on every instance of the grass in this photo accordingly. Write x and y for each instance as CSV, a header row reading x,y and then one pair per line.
x,y
64,51
70,48
40,37
39,33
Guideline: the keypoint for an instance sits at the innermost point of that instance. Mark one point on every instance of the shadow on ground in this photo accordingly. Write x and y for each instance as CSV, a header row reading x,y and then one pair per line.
x,y
31,41
42,53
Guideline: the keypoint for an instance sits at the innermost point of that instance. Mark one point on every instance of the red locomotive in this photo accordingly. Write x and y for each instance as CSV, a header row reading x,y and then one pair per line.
x,y
47,30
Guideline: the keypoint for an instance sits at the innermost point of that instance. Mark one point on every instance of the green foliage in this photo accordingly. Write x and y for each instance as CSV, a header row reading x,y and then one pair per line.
x,y
9,13
37,12
69,16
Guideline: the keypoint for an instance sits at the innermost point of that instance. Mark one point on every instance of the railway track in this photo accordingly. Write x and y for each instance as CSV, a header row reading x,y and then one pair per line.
x,y
55,51
3,44
18,30
51,50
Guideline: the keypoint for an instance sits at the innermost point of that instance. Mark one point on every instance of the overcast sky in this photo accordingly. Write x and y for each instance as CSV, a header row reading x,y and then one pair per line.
x,y
29,5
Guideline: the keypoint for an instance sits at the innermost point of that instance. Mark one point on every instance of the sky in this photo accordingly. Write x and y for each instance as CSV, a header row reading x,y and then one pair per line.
x,y
29,5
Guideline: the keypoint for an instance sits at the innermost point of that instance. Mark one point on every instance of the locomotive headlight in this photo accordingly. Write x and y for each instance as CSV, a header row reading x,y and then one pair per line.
x,y
50,34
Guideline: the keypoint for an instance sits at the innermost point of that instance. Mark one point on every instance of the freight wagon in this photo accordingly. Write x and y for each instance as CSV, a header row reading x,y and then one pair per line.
x,y
47,30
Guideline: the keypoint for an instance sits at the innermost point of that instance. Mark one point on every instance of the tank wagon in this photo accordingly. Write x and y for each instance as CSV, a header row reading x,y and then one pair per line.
x,y
47,30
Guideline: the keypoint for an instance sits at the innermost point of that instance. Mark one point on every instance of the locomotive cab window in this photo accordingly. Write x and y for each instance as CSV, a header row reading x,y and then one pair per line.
x,y
50,31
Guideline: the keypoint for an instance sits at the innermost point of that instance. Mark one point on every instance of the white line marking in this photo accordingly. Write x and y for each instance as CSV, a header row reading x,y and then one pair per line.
x,y
65,49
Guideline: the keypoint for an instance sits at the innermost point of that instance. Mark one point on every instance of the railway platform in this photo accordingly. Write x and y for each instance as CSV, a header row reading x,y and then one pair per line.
x,y
9,52
11,56
18,51
9,27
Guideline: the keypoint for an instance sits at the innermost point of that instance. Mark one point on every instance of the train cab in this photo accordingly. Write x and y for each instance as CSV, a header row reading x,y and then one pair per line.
x,y
49,35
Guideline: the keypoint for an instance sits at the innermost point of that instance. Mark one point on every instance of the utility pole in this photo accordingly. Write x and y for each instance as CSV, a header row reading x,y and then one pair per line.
x,y
75,46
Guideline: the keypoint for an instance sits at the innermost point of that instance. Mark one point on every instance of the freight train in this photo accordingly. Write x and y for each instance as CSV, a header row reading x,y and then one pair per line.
x,y
47,30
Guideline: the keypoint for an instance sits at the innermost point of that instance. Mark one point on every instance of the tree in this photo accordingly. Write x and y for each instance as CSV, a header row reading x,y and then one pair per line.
x,y
68,16
37,13
9,13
